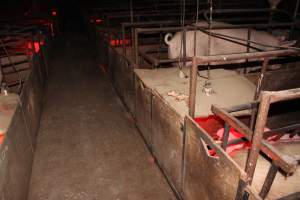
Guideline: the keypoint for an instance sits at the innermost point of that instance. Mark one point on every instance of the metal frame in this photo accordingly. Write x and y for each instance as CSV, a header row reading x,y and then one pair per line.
x,y
229,57
155,62
19,34
285,162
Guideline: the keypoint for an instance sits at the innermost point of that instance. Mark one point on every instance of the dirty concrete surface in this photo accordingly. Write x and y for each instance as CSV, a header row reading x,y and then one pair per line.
x,y
88,147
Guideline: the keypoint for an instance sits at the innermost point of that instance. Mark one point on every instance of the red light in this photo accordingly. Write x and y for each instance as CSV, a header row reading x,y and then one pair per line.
x,y
36,46
117,42
98,21
54,13
213,125
1,138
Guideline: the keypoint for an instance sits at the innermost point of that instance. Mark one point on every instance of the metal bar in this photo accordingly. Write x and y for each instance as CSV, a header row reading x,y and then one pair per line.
x,y
293,196
154,14
184,46
230,11
243,107
164,4
225,136
192,27
280,130
136,43
284,95
232,121
285,162
150,59
268,181
296,10
135,24
257,91
193,87
163,61
241,190
261,77
123,38
294,19
258,135
243,56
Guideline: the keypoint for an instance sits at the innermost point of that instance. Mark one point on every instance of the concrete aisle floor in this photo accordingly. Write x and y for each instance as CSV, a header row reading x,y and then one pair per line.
x,y
88,147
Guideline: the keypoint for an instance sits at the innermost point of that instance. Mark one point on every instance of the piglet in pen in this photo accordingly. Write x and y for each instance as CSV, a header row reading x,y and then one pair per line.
x,y
263,41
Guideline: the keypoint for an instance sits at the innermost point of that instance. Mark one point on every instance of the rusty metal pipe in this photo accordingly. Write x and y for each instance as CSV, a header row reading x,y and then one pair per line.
x,y
268,181
242,56
258,135
284,95
286,163
193,87
192,27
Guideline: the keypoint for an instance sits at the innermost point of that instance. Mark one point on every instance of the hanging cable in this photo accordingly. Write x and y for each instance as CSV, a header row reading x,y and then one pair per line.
x,y
183,41
195,31
209,37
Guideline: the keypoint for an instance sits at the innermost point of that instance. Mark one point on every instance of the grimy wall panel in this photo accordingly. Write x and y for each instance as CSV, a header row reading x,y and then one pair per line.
x,y
17,153
168,140
143,111
17,149
123,78
206,176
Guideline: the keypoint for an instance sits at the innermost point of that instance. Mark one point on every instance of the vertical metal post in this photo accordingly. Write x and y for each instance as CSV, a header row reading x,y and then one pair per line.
x,y
270,19
255,146
248,47
257,91
225,136
184,47
268,181
294,19
132,28
123,39
258,135
132,43
160,44
136,49
296,10
209,37
193,87
131,11
240,195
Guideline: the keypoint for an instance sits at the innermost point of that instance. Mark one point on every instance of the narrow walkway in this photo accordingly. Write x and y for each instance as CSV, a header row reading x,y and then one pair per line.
x,y
88,147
